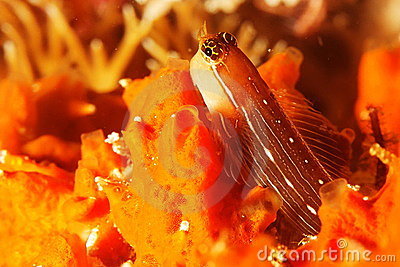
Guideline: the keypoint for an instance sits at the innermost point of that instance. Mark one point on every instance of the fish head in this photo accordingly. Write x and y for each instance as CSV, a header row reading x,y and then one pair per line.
x,y
224,75
205,68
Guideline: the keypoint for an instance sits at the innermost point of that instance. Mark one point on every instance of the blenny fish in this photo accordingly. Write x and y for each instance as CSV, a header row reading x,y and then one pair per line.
x,y
283,142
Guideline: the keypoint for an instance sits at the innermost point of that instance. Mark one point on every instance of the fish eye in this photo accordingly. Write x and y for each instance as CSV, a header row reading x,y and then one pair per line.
x,y
213,51
208,52
228,38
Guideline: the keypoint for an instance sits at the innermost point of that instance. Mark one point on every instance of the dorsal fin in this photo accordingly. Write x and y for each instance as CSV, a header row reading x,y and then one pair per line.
x,y
330,146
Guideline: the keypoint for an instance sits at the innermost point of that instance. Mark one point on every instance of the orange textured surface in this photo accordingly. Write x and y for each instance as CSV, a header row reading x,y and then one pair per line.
x,y
173,207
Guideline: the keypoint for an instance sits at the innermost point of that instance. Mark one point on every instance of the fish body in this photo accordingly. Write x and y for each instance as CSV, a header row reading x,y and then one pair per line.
x,y
275,151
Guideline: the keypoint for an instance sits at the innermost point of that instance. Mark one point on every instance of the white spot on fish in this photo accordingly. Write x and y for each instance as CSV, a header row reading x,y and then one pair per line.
x,y
289,183
278,121
306,161
291,140
311,209
269,154
265,102
320,181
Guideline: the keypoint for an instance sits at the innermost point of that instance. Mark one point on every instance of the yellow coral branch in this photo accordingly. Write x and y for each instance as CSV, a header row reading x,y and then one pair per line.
x,y
135,31
24,14
65,50
15,53
75,48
